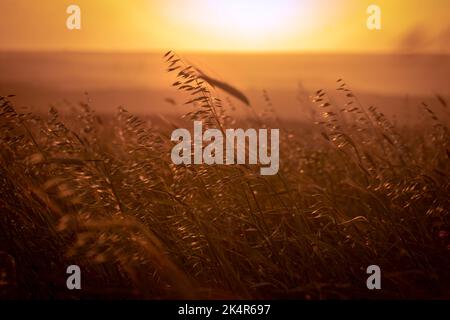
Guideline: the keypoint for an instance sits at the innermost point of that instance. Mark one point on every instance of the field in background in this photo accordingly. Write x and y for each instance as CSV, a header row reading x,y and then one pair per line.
x,y
98,189
397,84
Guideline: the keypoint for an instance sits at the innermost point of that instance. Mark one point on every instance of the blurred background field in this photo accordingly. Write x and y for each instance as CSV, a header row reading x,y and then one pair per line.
x,y
395,83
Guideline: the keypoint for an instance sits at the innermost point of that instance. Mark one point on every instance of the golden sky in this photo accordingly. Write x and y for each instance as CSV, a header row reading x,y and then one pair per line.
x,y
225,25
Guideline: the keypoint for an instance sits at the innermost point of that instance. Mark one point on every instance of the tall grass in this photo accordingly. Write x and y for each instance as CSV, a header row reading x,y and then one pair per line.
x,y
354,189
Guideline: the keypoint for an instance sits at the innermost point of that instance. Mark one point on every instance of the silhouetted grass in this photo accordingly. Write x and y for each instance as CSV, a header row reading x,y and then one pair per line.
x,y
353,190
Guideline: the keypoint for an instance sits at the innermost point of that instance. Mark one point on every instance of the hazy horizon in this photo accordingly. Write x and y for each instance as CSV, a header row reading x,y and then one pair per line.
x,y
222,52
138,80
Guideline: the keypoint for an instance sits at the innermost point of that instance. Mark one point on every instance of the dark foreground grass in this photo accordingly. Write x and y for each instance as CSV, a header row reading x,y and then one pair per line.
x,y
353,190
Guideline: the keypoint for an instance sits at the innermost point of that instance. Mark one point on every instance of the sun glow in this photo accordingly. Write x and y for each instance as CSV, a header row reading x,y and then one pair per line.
x,y
245,24
254,18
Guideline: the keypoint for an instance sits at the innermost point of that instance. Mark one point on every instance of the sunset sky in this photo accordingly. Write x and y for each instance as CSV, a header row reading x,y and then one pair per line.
x,y
232,25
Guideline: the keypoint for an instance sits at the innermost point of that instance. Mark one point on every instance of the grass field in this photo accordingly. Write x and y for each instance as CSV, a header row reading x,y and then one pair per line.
x,y
354,189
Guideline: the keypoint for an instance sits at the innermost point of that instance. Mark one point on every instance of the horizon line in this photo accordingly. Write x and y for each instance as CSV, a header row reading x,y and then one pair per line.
x,y
218,52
